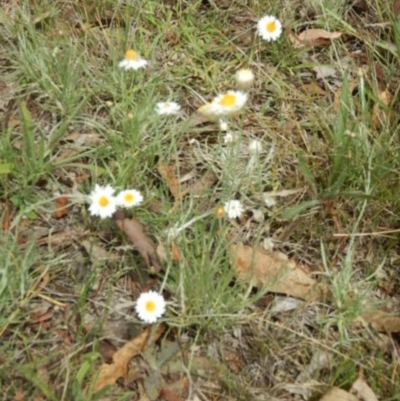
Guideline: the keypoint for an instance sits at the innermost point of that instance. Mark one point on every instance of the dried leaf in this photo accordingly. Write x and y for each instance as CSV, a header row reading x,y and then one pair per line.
x,y
173,252
90,139
313,89
107,350
98,255
176,391
146,247
383,322
320,360
203,184
19,395
153,385
162,253
234,361
276,271
396,7
176,257
61,207
361,389
142,393
168,175
156,206
336,394
174,184
61,239
337,101
6,217
110,373
324,71
285,304
297,44
360,6
302,391
313,37
41,317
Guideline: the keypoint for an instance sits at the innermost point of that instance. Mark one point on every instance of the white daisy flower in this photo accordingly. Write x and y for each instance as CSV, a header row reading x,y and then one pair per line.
x,y
129,198
244,78
102,201
167,108
255,147
150,306
229,103
233,209
132,61
269,28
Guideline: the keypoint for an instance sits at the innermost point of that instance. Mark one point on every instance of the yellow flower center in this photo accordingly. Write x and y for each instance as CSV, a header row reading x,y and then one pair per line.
x,y
228,100
271,26
131,55
150,306
129,198
103,201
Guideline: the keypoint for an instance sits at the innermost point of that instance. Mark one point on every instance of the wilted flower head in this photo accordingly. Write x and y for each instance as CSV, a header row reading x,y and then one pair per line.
x,y
129,198
167,108
233,209
102,201
244,78
150,306
132,61
269,28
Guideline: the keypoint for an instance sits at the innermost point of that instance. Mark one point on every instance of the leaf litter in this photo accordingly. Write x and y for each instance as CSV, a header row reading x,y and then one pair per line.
x,y
275,272
142,242
197,185
313,37
110,372
359,391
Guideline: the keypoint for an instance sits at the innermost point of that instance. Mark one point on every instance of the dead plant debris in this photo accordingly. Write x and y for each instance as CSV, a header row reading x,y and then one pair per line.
x,y
135,231
110,373
275,271
313,37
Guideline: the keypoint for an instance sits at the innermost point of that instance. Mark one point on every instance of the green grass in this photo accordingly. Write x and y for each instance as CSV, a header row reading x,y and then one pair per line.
x,y
71,118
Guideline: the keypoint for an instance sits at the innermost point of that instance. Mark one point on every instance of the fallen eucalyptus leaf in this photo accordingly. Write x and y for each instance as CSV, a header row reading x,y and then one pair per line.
x,y
110,373
135,230
275,271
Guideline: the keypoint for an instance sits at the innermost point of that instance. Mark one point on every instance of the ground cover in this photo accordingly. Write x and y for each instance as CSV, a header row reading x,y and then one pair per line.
x,y
294,298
